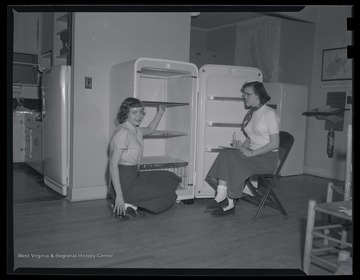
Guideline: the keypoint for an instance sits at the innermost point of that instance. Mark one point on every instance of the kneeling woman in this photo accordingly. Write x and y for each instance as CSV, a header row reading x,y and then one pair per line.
x,y
150,190
257,155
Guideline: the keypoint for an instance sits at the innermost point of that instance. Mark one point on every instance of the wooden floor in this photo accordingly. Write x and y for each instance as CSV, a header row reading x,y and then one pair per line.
x,y
51,232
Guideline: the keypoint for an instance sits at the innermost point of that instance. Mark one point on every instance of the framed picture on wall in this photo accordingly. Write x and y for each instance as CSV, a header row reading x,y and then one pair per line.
x,y
336,65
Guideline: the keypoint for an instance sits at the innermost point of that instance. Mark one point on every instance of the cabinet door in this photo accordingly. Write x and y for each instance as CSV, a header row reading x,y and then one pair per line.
x,y
36,150
26,32
47,32
27,145
18,137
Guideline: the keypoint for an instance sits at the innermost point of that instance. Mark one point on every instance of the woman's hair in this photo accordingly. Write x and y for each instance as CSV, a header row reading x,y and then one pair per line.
x,y
125,107
259,90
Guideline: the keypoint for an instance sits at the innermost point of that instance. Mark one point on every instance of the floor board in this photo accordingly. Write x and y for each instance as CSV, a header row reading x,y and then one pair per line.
x,y
51,232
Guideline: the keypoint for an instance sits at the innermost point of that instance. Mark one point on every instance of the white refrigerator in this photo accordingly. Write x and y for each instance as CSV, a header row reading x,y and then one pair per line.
x,y
289,102
55,87
204,110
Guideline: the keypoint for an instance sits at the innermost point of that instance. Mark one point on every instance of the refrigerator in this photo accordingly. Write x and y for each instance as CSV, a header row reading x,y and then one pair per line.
x,y
55,90
289,102
204,110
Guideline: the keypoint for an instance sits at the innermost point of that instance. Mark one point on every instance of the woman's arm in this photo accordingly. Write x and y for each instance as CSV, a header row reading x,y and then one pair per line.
x,y
272,145
119,206
155,122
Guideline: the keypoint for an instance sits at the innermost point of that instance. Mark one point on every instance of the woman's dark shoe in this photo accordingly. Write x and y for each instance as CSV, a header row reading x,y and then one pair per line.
x,y
215,205
134,213
219,212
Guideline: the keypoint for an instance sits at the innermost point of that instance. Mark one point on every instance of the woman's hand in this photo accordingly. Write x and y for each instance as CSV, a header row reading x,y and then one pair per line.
x,y
236,144
247,152
161,109
119,207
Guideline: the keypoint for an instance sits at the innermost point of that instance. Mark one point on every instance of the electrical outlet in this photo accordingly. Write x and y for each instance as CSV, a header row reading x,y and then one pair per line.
x,y
349,100
88,82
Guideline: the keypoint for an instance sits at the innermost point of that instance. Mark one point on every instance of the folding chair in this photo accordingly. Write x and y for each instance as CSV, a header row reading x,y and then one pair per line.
x,y
266,182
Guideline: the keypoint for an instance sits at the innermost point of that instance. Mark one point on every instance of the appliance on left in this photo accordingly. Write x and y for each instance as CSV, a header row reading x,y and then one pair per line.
x,y
55,88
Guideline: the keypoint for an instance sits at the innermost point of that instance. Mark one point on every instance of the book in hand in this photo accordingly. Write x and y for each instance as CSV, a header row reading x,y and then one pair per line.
x,y
232,146
228,147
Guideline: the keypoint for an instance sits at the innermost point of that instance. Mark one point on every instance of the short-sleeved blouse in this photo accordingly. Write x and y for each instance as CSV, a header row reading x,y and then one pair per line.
x,y
263,123
130,139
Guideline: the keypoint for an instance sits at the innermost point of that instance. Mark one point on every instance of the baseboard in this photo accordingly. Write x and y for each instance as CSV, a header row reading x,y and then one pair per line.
x,y
325,173
87,193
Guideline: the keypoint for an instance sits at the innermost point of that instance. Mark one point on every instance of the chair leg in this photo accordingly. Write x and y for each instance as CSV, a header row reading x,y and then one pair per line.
x,y
329,198
309,236
278,203
274,199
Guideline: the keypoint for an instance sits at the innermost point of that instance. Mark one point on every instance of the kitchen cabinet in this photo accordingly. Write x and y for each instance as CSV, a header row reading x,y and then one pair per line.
x,y
18,137
33,145
26,91
56,39
24,65
26,36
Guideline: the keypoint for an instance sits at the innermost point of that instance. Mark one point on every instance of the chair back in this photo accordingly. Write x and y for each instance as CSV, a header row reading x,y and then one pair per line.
x,y
286,143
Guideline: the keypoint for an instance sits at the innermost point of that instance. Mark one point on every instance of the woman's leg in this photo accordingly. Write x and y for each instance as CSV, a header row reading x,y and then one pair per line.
x,y
221,192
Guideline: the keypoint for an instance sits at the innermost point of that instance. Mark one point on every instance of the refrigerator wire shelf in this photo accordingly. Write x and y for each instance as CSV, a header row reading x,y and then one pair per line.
x,y
176,168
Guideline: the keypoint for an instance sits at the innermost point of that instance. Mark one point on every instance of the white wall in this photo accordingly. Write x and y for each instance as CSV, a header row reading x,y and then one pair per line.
x,y
101,40
223,42
331,32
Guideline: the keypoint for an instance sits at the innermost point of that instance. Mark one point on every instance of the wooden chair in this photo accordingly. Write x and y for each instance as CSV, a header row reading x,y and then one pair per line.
x,y
263,193
344,190
321,253
331,231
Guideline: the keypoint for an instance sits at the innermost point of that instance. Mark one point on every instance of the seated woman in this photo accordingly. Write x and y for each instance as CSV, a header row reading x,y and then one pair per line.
x,y
257,155
150,190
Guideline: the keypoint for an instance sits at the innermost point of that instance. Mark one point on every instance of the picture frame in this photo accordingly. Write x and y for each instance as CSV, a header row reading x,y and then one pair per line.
x,y
336,65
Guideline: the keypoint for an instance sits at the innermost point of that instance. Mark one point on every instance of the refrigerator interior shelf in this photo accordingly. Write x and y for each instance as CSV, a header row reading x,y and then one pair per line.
x,y
168,104
164,134
226,98
160,162
217,124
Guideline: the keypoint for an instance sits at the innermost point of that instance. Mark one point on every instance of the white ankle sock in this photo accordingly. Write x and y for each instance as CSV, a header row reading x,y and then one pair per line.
x,y
130,205
231,204
221,193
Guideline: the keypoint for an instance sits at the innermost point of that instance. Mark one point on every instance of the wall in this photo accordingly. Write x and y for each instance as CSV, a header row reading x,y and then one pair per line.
x,y
198,39
223,42
297,43
331,32
101,40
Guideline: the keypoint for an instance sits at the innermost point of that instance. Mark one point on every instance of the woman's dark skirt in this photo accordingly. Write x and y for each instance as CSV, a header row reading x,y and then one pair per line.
x,y
235,168
154,191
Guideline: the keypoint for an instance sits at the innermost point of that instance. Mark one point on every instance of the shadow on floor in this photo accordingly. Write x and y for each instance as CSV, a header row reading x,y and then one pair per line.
x,y
29,187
